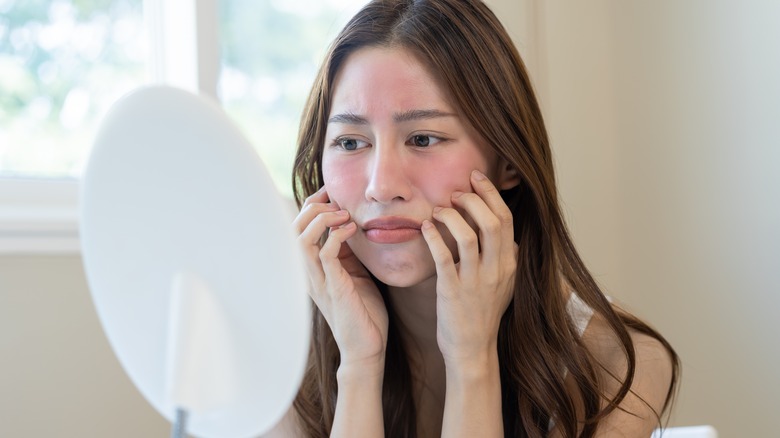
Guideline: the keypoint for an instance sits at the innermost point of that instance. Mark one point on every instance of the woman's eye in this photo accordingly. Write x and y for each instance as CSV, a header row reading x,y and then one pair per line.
x,y
423,140
350,144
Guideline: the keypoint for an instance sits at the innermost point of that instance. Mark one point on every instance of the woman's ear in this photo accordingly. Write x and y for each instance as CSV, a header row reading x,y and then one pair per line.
x,y
508,176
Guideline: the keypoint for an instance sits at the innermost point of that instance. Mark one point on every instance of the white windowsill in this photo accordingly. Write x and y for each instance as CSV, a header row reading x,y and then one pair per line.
x,y
38,216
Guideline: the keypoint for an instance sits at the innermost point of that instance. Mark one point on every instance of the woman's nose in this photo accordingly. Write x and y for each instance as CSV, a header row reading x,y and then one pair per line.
x,y
388,176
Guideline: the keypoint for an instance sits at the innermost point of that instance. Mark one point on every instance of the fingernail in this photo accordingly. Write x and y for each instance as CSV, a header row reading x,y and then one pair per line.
x,y
436,210
427,225
342,212
479,176
456,195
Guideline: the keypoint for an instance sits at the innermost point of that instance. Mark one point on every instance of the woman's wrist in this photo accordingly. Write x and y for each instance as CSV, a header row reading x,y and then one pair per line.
x,y
474,367
359,403
361,372
472,405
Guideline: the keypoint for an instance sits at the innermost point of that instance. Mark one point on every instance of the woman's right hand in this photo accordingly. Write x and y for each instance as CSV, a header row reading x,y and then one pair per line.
x,y
341,287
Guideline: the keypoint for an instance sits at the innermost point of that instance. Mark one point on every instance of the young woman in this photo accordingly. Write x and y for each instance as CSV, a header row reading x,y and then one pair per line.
x,y
450,300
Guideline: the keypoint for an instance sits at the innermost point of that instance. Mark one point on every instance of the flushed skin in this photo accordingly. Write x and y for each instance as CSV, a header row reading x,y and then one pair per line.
x,y
477,297
388,179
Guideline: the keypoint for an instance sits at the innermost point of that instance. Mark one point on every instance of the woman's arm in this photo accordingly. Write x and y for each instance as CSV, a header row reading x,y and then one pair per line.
x,y
358,407
359,403
354,309
472,295
472,406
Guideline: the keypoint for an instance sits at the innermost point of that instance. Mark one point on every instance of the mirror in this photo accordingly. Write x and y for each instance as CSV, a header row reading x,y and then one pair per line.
x,y
192,264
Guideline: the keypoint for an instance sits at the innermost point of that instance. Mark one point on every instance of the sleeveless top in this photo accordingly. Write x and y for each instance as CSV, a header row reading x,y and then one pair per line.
x,y
579,312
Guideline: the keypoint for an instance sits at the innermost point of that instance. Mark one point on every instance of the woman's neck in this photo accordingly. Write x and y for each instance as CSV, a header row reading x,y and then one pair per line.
x,y
415,311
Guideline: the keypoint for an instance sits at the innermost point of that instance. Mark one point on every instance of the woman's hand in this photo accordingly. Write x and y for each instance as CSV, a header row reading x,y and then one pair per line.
x,y
341,287
473,294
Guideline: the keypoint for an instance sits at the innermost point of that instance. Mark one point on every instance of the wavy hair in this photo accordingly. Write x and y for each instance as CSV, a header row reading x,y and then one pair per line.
x,y
467,49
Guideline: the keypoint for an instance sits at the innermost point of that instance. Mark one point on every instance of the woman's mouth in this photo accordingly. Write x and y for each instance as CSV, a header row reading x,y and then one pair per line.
x,y
392,229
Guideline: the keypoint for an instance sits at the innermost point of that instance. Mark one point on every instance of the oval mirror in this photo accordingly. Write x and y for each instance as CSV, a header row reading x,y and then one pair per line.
x,y
191,260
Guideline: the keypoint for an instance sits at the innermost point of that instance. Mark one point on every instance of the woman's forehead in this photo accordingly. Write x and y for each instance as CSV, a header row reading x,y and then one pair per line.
x,y
376,79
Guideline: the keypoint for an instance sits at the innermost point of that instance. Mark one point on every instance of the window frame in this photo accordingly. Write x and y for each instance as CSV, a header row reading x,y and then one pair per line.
x,y
38,216
41,216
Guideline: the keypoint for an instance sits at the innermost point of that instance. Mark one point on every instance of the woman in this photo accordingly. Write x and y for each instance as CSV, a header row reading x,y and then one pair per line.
x,y
449,297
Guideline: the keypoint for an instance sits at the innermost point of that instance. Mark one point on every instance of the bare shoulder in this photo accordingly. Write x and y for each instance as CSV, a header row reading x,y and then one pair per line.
x,y
638,412
604,345
287,427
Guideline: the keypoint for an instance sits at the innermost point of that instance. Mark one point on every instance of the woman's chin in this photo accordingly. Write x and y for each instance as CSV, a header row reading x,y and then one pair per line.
x,y
400,266
402,278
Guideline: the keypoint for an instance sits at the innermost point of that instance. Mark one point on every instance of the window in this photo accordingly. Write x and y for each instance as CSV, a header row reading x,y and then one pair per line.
x,y
270,50
63,63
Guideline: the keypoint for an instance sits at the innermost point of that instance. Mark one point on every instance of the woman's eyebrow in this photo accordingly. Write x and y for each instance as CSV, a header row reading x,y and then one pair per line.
x,y
406,116
411,115
349,119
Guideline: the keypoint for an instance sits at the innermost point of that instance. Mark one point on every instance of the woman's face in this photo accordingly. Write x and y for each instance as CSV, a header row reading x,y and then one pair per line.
x,y
395,148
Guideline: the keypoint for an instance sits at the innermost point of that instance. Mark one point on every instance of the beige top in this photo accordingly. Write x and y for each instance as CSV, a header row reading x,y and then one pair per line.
x,y
579,312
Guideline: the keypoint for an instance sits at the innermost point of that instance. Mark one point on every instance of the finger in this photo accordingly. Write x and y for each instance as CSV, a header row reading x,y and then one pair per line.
x,y
491,237
329,255
309,212
311,235
442,257
465,237
319,196
338,235
316,203
490,194
309,241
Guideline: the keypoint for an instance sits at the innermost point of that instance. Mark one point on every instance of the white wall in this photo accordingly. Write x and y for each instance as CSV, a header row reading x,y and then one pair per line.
x,y
665,121
58,375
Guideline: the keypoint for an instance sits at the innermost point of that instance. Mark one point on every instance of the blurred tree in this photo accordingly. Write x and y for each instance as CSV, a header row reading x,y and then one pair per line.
x,y
64,62
61,64
270,52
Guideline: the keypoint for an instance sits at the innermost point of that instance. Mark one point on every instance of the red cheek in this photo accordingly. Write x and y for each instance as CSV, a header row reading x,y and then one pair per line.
x,y
342,182
441,181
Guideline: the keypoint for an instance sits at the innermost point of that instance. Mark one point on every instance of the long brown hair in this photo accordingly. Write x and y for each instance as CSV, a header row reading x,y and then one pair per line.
x,y
469,52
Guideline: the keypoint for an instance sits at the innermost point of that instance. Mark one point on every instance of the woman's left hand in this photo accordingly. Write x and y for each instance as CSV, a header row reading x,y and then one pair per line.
x,y
473,293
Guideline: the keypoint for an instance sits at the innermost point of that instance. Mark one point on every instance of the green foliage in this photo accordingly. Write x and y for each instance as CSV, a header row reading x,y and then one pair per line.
x,y
48,49
262,42
63,62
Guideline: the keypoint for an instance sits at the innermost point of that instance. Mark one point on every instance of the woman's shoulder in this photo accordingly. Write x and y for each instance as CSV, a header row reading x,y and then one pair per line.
x,y
602,342
652,375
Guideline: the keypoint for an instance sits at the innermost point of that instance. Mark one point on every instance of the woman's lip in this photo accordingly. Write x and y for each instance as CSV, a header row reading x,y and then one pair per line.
x,y
395,235
391,223
392,229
